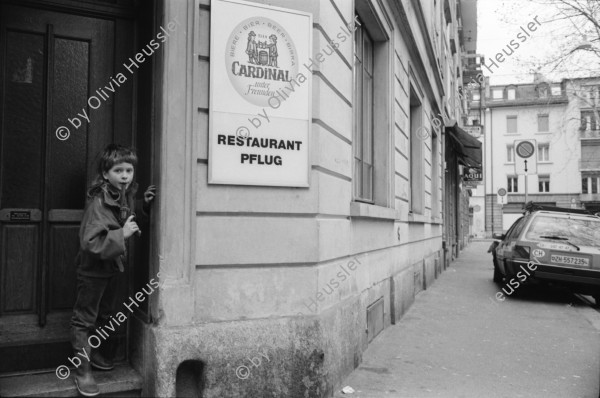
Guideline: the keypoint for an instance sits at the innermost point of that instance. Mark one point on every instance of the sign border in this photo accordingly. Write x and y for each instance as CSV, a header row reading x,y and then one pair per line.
x,y
215,4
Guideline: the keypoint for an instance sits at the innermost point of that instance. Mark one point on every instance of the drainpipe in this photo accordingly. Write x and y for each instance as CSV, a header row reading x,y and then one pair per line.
x,y
492,163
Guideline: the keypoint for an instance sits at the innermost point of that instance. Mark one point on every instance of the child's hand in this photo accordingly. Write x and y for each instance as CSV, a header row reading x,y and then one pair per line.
x,y
150,194
130,227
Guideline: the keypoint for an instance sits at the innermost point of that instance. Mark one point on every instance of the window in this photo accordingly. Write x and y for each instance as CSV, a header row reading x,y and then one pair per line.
x,y
476,96
589,121
511,93
511,125
544,153
543,123
497,94
544,184
372,96
510,154
590,155
435,177
589,184
579,231
543,91
363,117
515,229
519,225
416,154
556,90
513,184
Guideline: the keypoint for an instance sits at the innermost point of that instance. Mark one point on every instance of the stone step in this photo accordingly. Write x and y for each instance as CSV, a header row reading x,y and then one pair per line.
x,y
122,381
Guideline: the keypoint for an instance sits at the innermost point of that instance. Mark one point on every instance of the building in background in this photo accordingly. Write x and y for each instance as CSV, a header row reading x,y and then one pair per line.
x,y
268,285
558,118
584,107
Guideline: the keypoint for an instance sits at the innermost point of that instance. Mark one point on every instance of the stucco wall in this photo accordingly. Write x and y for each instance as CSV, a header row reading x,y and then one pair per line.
x,y
260,257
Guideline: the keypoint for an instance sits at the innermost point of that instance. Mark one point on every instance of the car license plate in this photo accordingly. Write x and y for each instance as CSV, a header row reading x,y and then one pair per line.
x,y
569,260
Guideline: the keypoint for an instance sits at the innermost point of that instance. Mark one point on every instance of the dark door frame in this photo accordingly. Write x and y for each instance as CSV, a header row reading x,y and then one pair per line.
x,y
137,21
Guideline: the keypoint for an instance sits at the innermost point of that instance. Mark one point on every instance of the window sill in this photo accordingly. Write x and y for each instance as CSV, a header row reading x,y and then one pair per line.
x,y
509,163
418,218
543,132
365,210
544,162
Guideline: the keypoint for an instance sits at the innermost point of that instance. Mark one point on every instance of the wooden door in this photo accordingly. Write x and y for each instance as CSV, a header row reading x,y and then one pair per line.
x,y
51,63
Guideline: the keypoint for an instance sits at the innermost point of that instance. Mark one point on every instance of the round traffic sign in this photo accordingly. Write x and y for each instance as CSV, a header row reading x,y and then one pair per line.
x,y
525,149
502,192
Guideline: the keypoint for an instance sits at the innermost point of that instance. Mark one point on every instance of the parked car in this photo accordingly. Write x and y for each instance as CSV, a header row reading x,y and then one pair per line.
x,y
551,244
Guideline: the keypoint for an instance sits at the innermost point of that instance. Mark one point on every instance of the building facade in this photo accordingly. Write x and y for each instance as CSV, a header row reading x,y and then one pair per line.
x,y
584,107
558,118
263,289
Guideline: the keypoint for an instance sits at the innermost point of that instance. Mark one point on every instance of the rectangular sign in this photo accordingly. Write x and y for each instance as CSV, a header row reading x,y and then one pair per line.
x,y
260,95
473,131
21,215
472,174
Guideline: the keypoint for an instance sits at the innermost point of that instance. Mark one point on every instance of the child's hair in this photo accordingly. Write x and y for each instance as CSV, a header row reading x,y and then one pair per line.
x,y
112,154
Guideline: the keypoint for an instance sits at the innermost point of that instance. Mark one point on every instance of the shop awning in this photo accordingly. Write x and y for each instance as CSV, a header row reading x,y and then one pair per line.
x,y
468,148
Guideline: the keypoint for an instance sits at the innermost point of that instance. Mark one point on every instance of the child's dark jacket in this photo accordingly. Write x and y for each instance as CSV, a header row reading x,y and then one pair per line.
x,y
102,246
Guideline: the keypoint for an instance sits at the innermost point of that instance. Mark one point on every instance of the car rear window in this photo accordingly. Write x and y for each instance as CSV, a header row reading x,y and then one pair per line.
x,y
577,230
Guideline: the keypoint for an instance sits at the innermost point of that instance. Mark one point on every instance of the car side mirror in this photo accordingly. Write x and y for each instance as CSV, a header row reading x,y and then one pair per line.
x,y
498,236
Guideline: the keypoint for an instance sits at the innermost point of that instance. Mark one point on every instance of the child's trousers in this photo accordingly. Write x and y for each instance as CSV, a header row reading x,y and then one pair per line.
x,y
94,305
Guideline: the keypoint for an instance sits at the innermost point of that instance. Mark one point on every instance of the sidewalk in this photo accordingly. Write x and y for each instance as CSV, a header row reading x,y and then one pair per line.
x,y
458,341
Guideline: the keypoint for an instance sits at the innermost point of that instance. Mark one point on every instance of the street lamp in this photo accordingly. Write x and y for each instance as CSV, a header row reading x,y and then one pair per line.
x,y
587,45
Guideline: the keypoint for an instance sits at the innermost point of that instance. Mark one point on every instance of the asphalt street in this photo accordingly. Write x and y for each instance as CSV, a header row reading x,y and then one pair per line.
x,y
458,341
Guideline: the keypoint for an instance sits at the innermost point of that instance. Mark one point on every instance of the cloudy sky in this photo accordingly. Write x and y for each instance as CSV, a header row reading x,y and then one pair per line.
x,y
499,22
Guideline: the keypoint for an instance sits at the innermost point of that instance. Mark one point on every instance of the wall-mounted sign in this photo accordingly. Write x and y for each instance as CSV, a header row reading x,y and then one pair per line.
x,y
20,215
474,131
472,174
260,95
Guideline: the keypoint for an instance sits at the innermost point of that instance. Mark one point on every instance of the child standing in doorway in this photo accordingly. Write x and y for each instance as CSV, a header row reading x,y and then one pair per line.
x,y
108,223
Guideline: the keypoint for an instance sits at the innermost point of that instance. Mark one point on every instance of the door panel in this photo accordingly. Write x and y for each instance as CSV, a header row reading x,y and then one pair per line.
x,y
63,281
67,159
23,120
50,64
19,272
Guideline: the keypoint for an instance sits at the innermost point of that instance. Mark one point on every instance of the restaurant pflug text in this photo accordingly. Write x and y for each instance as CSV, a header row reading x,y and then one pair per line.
x,y
253,142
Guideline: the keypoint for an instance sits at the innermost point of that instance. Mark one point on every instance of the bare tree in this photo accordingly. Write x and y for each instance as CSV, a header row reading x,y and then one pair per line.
x,y
575,27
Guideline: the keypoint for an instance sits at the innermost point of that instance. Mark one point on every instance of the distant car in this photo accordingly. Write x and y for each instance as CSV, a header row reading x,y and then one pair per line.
x,y
551,244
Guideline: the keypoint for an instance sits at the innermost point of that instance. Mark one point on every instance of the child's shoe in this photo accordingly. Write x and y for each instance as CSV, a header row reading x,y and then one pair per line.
x,y
84,380
99,362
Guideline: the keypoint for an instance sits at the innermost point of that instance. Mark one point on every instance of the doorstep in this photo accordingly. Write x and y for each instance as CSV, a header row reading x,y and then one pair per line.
x,y
122,381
